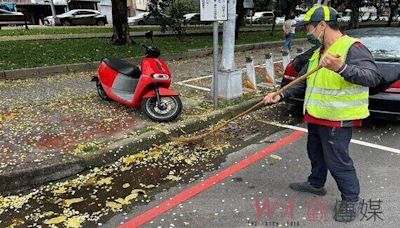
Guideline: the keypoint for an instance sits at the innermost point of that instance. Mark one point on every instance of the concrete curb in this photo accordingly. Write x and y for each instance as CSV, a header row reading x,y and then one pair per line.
x,y
30,73
25,176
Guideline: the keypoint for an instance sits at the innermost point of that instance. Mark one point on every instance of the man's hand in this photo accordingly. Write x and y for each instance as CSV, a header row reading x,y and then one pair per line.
x,y
332,62
272,98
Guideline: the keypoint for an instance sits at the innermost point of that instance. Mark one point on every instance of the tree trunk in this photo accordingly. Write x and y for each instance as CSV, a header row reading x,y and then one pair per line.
x,y
393,8
120,22
275,14
239,20
336,3
355,13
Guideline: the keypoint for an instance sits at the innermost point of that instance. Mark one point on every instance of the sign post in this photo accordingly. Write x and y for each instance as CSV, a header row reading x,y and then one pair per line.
x,y
214,10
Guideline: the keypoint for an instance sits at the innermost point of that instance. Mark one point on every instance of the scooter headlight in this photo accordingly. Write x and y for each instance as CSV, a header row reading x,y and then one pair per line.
x,y
161,76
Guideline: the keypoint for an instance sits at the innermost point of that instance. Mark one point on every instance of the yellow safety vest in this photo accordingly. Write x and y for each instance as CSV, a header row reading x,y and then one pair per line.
x,y
328,95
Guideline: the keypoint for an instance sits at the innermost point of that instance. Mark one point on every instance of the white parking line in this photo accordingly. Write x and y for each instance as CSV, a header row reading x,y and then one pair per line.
x,y
355,141
194,79
194,87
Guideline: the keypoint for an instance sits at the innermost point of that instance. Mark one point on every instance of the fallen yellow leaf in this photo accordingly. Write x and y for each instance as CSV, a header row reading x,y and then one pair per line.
x,y
181,157
122,201
74,222
55,220
128,160
147,186
173,178
61,190
125,168
105,181
69,202
131,196
126,185
188,161
276,157
91,181
114,206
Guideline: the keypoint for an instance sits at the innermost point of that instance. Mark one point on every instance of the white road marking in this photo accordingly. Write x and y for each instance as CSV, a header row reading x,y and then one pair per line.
x,y
355,141
195,87
194,79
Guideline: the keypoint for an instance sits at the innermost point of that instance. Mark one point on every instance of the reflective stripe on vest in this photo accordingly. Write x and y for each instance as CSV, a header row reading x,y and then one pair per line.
x,y
337,92
338,104
328,95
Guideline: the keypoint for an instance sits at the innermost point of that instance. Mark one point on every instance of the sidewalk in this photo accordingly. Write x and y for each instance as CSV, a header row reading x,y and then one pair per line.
x,y
61,119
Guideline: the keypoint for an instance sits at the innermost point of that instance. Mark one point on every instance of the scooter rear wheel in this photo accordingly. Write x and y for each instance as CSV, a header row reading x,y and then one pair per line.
x,y
101,92
168,110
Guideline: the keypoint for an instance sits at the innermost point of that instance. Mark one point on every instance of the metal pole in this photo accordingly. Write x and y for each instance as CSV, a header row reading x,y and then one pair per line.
x,y
53,12
215,64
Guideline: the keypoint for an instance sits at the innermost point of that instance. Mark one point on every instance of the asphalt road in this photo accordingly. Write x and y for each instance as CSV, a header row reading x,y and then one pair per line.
x,y
231,201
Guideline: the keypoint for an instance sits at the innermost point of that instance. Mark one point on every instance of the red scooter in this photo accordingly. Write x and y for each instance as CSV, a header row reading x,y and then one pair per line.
x,y
147,87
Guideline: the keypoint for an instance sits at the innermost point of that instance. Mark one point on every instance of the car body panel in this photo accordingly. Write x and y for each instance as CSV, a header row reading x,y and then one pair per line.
x,y
79,17
263,17
11,18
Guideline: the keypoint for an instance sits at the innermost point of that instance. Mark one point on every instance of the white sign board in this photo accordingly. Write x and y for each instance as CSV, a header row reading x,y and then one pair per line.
x,y
213,10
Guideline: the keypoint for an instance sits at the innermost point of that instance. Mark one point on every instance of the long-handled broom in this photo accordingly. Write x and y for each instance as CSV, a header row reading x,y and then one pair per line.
x,y
182,139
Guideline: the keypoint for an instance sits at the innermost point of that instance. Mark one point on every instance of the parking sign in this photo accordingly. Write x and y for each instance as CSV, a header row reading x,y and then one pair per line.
x,y
213,10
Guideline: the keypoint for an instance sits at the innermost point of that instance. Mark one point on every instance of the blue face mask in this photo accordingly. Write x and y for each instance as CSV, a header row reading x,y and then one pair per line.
x,y
314,40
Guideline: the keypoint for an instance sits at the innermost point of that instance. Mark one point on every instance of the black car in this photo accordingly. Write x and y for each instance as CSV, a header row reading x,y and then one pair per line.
x,y
384,99
11,18
79,17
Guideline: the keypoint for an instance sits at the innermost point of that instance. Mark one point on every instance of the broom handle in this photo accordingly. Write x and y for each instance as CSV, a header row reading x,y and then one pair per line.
x,y
297,80
283,89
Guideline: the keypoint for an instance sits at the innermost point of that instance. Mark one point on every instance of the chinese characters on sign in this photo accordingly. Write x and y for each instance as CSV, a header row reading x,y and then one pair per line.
x,y
282,212
213,10
371,209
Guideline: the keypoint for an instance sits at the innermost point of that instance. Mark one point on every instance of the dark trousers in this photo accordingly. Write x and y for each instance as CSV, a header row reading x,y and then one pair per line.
x,y
328,149
288,41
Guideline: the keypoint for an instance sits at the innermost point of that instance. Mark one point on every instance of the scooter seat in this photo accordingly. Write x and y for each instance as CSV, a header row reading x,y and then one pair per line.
x,y
123,67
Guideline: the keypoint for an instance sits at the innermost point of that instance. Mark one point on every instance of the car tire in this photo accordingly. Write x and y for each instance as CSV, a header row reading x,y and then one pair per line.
x,y
100,23
66,23
141,23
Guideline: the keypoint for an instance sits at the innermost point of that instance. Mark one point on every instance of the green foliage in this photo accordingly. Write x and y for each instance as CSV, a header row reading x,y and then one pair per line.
x,y
26,54
170,13
186,6
263,5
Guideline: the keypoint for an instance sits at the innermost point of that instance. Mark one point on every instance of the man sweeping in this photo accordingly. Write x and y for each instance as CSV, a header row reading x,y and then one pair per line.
x,y
336,100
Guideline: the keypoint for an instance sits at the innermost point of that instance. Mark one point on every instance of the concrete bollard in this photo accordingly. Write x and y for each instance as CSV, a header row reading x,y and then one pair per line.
x,y
269,69
250,78
285,59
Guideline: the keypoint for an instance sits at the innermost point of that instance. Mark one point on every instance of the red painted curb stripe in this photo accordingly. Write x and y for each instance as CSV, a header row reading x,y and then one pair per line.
x,y
209,182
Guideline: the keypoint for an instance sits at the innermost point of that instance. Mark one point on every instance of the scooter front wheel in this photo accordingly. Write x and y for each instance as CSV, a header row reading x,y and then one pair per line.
x,y
101,92
167,110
